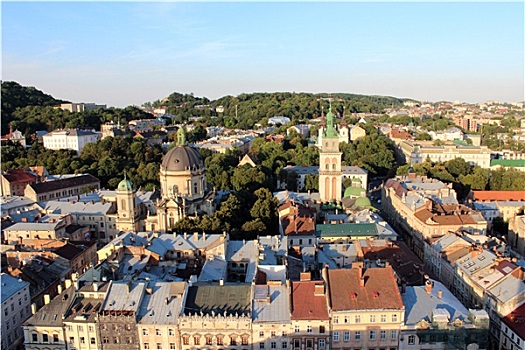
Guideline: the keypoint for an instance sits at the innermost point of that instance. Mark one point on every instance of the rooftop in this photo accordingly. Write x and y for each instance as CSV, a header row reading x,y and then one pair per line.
x,y
309,301
380,289
228,299
11,286
271,304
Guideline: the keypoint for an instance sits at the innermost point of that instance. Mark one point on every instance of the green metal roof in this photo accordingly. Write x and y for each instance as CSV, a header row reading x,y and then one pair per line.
x,y
363,202
515,163
353,191
330,132
344,230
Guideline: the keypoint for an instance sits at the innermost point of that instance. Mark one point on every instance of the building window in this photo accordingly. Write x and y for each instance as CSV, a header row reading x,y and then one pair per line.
x,y
358,319
82,340
284,345
172,346
34,337
357,335
91,329
273,334
159,346
261,334
196,340
336,319
45,338
309,344
336,336
383,335
244,340
186,340
219,340
309,329
347,319
296,343
394,318
146,345
105,340
116,340
261,345
372,318
411,339
144,331
321,343
297,330
393,335
273,345
233,340
92,340
209,340
157,331
346,336
171,332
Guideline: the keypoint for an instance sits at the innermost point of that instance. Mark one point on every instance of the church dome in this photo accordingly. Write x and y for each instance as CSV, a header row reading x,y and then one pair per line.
x,y
182,158
353,192
363,202
125,185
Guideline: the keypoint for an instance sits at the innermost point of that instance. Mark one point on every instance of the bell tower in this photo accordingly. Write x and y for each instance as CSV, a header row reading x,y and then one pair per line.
x,y
127,209
330,173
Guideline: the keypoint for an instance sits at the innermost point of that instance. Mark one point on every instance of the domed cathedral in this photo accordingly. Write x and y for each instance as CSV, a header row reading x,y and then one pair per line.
x,y
330,172
128,213
184,190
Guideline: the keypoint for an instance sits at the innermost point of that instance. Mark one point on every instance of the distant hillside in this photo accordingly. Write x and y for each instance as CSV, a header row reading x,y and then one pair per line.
x,y
244,110
16,96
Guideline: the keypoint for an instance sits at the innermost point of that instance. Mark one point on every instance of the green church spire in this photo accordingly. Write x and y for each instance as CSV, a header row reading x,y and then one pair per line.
x,y
330,131
181,137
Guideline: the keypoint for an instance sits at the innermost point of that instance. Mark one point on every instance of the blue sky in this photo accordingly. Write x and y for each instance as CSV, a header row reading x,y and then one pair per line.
x,y
121,53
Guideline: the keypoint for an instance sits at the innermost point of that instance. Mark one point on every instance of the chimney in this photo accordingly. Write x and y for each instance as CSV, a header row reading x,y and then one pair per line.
x,y
59,289
195,236
95,286
362,282
203,236
428,286
344,248
33,308
185,235
319,290
68,283
305,276
440,294
47,299
403,286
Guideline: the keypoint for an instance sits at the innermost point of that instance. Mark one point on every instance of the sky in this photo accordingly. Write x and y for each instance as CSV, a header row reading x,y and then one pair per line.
x,y
128,53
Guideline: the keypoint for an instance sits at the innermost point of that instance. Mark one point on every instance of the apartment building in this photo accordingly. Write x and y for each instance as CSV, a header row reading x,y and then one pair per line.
x,y
421,151
158,315
366,308
62,188
73,139
436,319
271,323
309,315
217,317
16,309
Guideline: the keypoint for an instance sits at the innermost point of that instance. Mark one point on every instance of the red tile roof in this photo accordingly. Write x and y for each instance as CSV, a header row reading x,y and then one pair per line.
x,y
19,176
306,305
499,195
516,321
380,289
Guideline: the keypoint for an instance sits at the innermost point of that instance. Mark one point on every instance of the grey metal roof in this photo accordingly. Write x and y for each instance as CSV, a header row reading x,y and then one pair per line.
x,y
11,286
419,305
124,296
507,289
51,314
32,226
84,208
162,303
213,270
277,310
242,251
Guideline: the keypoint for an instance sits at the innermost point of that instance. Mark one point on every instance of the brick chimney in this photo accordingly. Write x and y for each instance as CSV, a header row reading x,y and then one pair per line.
x,y
428,286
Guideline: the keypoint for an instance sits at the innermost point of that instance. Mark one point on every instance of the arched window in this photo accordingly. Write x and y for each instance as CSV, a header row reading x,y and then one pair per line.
x,y
123,204
334,188
327,187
